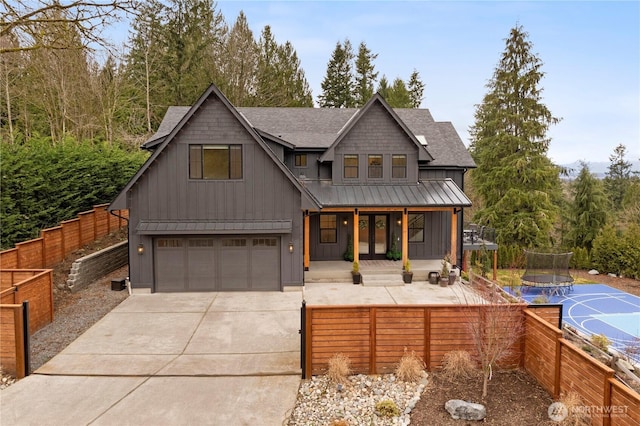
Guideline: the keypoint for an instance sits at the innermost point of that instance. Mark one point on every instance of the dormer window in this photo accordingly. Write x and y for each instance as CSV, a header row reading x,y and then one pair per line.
x,y
351,166
300,160
375,166
399,166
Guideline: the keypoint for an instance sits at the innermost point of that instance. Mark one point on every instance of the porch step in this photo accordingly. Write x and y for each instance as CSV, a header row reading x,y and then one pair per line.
x,y
327,276
381,280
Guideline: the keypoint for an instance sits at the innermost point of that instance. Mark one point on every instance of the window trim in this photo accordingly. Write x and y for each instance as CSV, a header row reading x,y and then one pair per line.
x,y
303,160
371,168
395,167
234,152
411,235
346,167
334,228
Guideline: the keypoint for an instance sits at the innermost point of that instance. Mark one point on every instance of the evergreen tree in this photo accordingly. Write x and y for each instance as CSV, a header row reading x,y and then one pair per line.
x,y
398,95
383,87
280,78
337,85
416,89
618,176
518,183
588,209
240,67
365,75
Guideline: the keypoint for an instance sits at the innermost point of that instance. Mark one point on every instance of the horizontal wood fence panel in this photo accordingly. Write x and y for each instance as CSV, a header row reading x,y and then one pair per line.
x,y
541,350
38,290
9,259
71,232
30,254
53,244
12,357
625,405
9,277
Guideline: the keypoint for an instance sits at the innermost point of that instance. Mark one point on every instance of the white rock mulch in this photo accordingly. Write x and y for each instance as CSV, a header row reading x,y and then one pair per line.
x,y
321,402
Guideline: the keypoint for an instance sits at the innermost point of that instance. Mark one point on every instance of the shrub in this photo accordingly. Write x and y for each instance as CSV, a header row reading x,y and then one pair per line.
x,y
458,365
410,367
618,251
575,416
580,258
387,408
339,368
540,300
600,341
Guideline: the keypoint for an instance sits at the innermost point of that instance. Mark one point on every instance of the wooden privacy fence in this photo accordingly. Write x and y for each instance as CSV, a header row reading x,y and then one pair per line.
x,y
561,367
16,287
375,337
55,243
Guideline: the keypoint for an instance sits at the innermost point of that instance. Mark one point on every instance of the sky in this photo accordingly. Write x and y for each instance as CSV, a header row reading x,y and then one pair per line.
x,y
590,52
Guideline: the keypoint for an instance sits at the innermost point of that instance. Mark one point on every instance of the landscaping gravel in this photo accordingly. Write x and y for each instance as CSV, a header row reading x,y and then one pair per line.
x,y
321,402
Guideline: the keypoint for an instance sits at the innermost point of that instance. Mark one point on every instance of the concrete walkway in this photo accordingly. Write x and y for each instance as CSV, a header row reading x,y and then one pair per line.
x,y
189,359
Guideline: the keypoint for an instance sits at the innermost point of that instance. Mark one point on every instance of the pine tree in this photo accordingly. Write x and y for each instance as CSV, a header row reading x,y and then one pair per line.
x,y
518,183
240,67
337,85
398,95
365,75
383,87
589,207
416,89
618,176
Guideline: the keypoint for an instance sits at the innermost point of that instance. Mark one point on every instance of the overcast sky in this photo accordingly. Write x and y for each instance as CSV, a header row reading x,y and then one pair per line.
x,y
590,51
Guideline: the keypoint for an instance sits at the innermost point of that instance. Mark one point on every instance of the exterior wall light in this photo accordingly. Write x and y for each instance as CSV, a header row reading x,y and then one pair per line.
x,y
345,222
399,222
140,248
290,247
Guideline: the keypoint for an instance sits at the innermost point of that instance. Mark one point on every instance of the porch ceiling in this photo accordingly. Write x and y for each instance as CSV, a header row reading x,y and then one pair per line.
x,y
426,193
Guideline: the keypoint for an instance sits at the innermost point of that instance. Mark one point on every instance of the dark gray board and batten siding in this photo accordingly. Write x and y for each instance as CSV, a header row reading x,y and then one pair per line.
x,y
165,193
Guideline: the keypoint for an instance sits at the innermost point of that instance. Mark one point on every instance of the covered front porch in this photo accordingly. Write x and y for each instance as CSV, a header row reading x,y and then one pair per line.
x,y
374,272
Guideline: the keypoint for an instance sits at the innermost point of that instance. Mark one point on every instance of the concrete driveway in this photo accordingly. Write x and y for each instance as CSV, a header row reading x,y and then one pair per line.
x,y
171,359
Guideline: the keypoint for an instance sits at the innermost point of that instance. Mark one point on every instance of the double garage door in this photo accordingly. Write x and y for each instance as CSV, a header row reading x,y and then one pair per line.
x,y
217,263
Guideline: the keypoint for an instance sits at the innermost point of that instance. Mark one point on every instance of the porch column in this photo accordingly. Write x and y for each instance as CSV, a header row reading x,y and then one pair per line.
x,y
405,237
356,236
454,237
306,241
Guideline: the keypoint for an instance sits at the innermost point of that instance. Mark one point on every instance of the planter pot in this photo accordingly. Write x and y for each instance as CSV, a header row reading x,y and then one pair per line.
x,y
434,277
452,278
444,281
357,277
407,277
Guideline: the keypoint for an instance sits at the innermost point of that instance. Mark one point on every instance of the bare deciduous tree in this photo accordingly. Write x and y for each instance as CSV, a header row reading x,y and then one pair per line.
x,y
25,19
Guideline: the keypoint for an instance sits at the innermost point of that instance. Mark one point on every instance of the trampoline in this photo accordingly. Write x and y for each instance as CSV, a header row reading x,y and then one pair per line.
x,y
549,271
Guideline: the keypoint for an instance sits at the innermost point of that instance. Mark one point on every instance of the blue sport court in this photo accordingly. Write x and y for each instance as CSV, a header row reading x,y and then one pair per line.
x,y
596,309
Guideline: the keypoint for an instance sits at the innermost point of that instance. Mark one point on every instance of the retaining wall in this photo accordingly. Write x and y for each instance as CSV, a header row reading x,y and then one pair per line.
x,y
89,268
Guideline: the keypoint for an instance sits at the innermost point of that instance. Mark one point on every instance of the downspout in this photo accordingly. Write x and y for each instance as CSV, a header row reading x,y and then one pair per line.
x,y
112,212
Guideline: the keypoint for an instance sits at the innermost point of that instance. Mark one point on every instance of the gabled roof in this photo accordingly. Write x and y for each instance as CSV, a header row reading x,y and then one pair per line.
x,y
318,128
423,154
120,201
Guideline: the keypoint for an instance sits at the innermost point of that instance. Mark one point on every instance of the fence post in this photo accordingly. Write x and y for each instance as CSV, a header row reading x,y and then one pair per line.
x,y
303,333
557,365
26,338
372,340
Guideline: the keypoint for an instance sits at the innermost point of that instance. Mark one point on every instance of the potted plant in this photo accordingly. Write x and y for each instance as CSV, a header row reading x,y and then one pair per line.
x,y
444,272
407,275
348,254
355,273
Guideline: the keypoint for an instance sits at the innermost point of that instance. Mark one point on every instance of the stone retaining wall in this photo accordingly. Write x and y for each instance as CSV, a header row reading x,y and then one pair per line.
x,y
89,268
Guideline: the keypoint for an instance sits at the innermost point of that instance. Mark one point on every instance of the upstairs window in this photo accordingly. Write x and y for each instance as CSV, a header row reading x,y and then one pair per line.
x,y
351,166
375,166
217,162
399,167
300,160
328,228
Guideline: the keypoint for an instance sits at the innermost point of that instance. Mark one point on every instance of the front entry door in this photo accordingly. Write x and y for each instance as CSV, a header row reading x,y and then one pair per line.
x,y
372,242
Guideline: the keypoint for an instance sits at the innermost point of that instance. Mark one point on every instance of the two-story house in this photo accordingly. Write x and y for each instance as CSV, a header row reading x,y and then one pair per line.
x,y
247,198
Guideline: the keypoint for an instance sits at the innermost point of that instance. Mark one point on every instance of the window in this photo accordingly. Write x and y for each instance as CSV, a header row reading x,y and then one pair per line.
x,y
265,242
328,228
300,160
169,243
201,242
215,162
351,166
416,228
399,166
375,166
234,242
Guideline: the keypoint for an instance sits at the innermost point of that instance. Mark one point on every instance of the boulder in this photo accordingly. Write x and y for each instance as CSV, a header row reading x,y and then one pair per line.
x,y
463,410
593,272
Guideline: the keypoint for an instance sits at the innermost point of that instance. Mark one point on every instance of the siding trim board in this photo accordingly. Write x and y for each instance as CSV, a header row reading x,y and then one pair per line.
x,y
207,227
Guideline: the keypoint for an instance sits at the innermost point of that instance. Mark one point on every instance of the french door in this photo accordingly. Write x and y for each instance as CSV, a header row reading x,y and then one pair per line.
x,y
373,236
